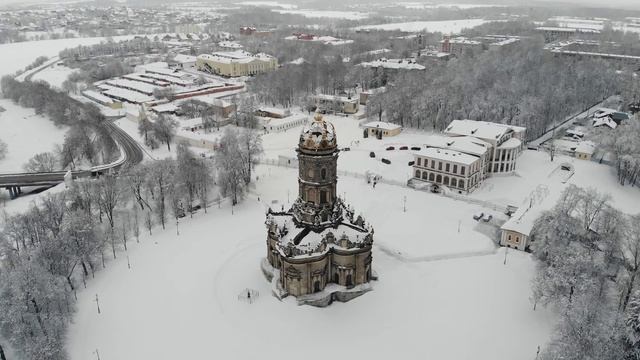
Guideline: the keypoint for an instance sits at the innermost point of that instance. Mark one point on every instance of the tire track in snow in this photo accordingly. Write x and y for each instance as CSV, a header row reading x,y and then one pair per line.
x,y
431,258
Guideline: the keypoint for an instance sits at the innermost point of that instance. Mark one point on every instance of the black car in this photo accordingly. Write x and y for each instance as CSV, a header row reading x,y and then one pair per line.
x,y
372,154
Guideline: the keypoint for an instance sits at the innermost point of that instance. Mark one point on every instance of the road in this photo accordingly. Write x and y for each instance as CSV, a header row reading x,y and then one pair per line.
x,y
131,155
562,125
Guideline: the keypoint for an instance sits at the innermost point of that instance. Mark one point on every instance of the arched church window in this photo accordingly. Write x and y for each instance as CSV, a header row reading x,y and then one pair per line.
x,y
323,196
323,174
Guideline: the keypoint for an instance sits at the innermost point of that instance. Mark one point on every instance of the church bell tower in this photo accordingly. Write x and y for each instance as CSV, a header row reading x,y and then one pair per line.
x,y
317,178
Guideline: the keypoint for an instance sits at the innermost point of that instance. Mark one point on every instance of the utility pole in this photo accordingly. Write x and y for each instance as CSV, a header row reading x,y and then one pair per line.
x,y
97,354
98,303
506,250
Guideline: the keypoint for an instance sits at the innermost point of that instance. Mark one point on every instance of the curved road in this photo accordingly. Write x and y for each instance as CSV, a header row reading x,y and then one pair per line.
x,y
132,155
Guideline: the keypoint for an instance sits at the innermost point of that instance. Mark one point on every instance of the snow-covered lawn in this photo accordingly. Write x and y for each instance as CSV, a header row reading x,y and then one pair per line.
x,y
179,299
55,75
26,134
534,169
445,26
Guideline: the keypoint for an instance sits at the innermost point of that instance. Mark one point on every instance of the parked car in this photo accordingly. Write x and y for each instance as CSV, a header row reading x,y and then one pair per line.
x,y
386,161
416,148
372,154
404,148
487,217
411,163
478,216
346,149
391,148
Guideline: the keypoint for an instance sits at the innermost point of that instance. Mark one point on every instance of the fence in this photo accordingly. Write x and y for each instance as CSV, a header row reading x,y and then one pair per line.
x,y
283,161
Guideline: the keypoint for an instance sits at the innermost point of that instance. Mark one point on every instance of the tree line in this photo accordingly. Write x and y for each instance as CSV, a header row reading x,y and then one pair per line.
x,y
86,140
50,251
588,269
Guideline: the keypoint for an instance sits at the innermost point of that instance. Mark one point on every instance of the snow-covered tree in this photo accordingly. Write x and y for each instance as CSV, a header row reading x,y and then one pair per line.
x,y
42,162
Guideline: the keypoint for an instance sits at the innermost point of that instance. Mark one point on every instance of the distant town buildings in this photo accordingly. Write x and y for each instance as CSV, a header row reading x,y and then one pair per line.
x,y
459,45
250,30
326,40
394,64
236,63
551,33
578,48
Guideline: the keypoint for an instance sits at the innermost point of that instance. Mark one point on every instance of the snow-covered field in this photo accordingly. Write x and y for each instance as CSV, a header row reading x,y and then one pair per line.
x,y
274,4
55,75
26,134
445,26
179,299
18,55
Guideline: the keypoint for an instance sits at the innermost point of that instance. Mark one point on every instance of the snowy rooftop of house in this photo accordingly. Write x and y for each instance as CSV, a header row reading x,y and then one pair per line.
x,y
511,143
238,56
148,79
447,155
164,108
182,58
132,85
382,125
154,65
605,121
220,103
552,28
167,78
274,110
405,64
376,52
505,42
127,95
586,147
522,220
97,96
462,40
480,129
464,144
335,97
230,45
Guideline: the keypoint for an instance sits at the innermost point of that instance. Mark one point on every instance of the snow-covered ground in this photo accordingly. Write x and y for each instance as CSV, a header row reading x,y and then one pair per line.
x,y
445,26
55,75
26,134
274,4
182,291
18,55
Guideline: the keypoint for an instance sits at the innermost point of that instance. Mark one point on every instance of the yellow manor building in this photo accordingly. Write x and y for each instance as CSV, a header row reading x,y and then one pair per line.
x,y
236,63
